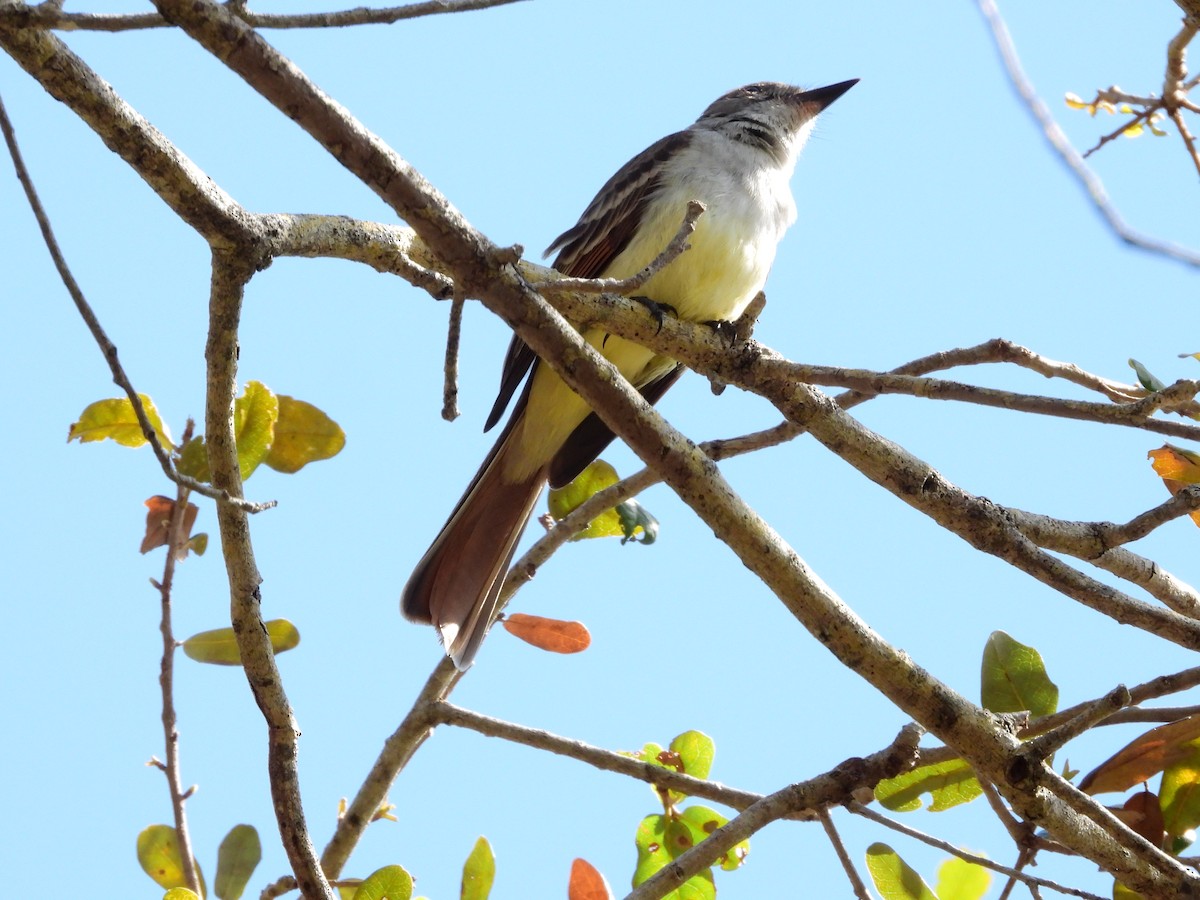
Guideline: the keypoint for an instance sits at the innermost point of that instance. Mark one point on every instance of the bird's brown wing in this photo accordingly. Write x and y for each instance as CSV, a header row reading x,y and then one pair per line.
x,y
588,249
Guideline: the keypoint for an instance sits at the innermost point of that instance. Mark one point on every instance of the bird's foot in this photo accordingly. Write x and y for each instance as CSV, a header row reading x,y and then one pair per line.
x,y
660,311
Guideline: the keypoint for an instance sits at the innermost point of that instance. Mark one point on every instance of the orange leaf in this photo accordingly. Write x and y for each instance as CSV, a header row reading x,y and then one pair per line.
x,y
158,521
1176,464
554,635
586,883
1143,757
1178,469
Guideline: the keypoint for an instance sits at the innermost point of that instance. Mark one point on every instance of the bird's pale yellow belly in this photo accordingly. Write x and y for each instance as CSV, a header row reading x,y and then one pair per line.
x,y
712,281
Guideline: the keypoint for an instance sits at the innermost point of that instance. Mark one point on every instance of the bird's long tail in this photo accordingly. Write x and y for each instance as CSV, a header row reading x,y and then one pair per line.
x,y
456,585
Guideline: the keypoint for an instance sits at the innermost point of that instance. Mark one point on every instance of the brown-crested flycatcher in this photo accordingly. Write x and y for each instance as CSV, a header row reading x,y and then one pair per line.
x,y
736,159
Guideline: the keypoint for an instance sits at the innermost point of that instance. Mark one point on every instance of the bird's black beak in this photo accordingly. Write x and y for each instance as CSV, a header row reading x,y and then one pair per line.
x,y
823,96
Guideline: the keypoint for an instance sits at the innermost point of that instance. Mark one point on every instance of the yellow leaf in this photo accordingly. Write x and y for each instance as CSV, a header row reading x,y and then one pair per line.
x,y
115,420
219,646
303,434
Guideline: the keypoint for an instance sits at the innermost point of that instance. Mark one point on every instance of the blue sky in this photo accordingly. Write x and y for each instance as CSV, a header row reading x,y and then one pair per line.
x,y
931,217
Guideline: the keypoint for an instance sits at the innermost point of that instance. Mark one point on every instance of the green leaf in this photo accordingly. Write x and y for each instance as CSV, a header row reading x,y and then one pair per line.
x,y
193,460
696,750
159,856
962,880
893,877
635,519
219,646
198,543
180,894
1147,380
1180,793
388,883
661,839
948,784
702,822
254,417
1014,678
237,858
115,420
303,434
479,872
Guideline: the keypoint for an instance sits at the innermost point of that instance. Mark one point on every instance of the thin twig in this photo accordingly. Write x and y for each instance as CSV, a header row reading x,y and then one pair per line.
x,y
176,539
107,347
450,366
623,286
1062,146
1150,690
606,760
1140,116
1046,743
868,813
51,18
856,882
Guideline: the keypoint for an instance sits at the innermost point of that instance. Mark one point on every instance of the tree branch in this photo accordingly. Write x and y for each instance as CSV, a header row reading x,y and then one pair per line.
x,y
230,273
47,16
1066,153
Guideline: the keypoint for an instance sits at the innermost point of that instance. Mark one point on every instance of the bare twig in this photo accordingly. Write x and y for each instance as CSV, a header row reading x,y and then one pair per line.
x,y
397,750
450,366
176,539
597,757
1151,107
1066,153
1151,714
868,813
1098,543
107,347
1174,88
49,17
1150,690
1138,414
1045,744
856,882
623,286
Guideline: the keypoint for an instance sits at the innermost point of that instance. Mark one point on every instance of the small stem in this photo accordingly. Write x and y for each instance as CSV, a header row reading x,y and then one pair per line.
x,y
856,882
166,679
450,366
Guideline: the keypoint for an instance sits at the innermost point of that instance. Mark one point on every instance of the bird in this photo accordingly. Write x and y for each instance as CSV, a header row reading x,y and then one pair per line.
x,y
737,159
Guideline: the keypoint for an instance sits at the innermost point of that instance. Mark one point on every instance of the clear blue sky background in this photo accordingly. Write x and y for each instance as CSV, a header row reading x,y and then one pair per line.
x,y
932,217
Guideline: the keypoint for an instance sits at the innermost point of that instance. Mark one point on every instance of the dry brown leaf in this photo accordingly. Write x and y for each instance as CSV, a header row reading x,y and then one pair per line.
x,y
158,520
1143,757
1143,814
